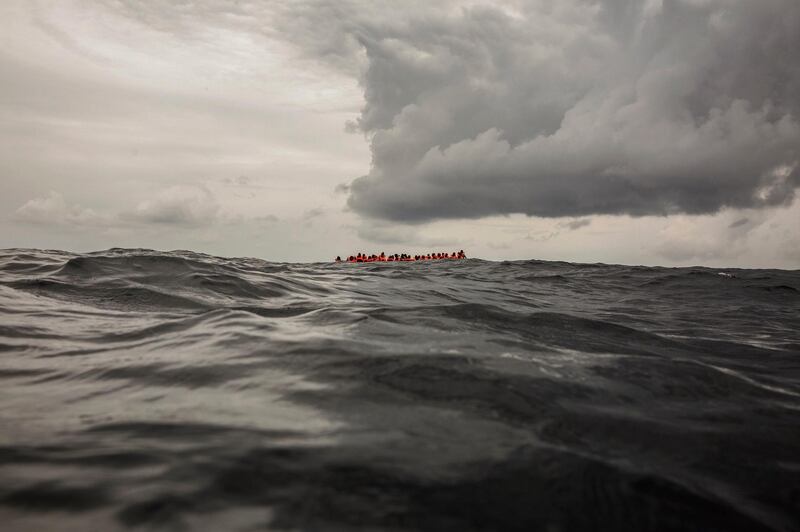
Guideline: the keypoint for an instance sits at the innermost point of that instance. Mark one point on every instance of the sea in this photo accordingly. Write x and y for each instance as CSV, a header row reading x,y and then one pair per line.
x,y
149,390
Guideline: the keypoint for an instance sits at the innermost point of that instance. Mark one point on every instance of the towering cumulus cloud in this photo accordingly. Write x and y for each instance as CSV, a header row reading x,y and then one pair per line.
x,y
571,108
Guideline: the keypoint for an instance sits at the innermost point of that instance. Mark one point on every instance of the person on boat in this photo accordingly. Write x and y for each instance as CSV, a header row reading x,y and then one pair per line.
x,y
403,257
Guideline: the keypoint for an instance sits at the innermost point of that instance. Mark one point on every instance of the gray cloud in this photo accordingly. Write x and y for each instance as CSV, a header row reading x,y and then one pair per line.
x,y
593,107
388,234
53,209
738,223
267,218
187,205
177,205
310,214
241,180
574,225
724,237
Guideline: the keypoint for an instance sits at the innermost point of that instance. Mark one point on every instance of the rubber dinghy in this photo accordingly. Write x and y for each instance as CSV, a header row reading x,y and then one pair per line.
x,y
403,257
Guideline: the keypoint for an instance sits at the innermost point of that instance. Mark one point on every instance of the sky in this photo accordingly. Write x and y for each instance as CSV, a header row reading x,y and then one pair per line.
x,y
660,132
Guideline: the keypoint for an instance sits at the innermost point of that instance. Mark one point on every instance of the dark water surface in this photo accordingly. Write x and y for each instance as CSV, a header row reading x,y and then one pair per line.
x,y
180,391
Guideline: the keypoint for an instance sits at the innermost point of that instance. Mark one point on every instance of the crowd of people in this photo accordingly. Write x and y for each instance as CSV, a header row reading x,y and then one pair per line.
x,y
402,257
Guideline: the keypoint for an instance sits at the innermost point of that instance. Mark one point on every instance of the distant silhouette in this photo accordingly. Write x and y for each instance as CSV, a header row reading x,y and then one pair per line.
x,y
403,257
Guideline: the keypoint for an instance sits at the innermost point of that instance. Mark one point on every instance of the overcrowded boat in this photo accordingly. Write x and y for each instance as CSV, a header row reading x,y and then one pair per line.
x,y
403,257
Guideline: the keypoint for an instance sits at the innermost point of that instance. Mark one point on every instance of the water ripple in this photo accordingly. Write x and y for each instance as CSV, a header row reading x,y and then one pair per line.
x,y
177,390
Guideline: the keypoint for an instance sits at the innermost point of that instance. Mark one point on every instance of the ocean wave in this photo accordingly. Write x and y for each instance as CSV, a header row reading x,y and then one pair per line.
x,y
177,390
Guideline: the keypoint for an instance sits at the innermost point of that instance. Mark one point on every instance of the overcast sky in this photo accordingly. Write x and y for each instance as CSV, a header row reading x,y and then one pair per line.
x,y
631,131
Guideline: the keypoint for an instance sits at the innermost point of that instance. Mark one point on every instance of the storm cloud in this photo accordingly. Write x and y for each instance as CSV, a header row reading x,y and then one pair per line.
x,y
573,108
